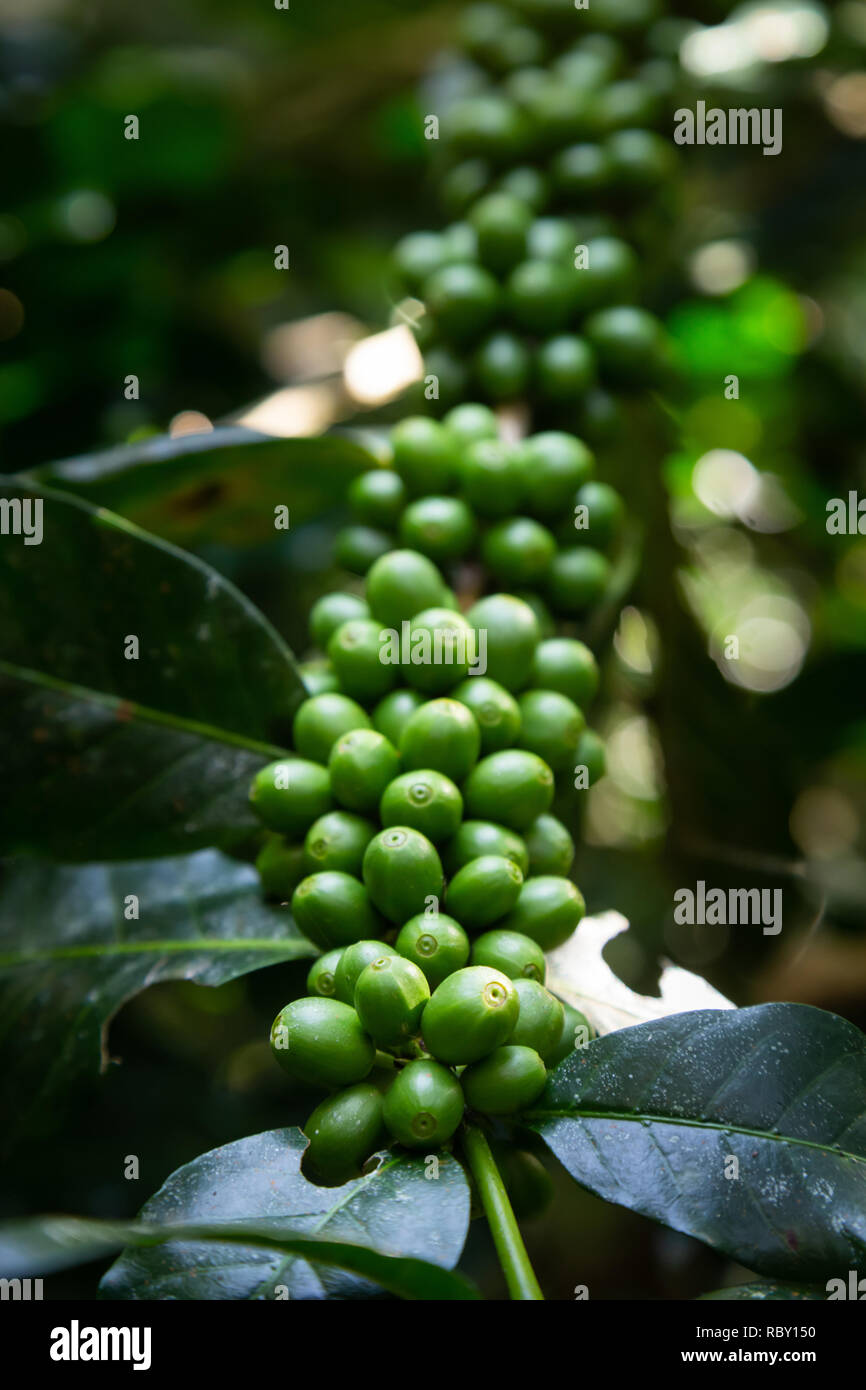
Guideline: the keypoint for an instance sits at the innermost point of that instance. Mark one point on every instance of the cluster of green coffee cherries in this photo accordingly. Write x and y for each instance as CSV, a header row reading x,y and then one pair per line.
x,y
551,167
531,511
412,828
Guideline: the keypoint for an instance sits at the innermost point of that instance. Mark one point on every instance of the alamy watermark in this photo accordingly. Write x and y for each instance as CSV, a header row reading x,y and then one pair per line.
x,y
733,907
435,646
737,126
846,516
22,516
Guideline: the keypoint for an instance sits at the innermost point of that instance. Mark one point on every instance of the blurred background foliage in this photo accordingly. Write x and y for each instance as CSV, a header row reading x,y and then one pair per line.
x,y
155,257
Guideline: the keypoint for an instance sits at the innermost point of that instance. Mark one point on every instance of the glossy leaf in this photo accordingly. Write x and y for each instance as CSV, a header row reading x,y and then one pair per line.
x,y
766,1291
745,1129
42,1245
221,485
70,956
153,748
398,1210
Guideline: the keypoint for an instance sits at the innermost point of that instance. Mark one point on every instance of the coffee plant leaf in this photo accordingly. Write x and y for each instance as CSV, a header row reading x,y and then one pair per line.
x,y
397,1209
767,1290
137,685
225,483
40,1246
745,1129
71,954
579,973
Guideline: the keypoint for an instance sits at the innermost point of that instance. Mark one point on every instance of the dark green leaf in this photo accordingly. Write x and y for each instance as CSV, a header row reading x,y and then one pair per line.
x,y
42,1245
155,753
69,958
223,485
775,1292
399,1210
653,1116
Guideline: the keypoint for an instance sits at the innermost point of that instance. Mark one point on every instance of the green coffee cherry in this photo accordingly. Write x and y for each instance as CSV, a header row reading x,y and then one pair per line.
x,y
551,848
502,366
575,1034
496,711
548,910
471,422
356,649
491,480
402,872
319,677
343,1131
581,171
505,1082
626,104
566,665
514,786
516,956
400,585
322,975
550,725
553,239
416,256
512,635
423,1106
361,765
442,647
565,367
392,714
483,891
577,580
337,842
462,184
441,735
427,801
600,512
488,125
469,1014
527,184
288,796
639,160
389,999
601,416
436,944
330,612
501,224
463,300
353,961
543,615
559,111
442,528
478,837
357,547
554,466
450,369
321,1042
610,273
629,344
281,867
518,551
377,497
425,457
541,1019
539,296
320,721
333,909
591,755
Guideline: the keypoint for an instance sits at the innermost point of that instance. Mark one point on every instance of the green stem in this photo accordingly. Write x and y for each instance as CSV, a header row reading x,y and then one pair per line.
x,y
519,1274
